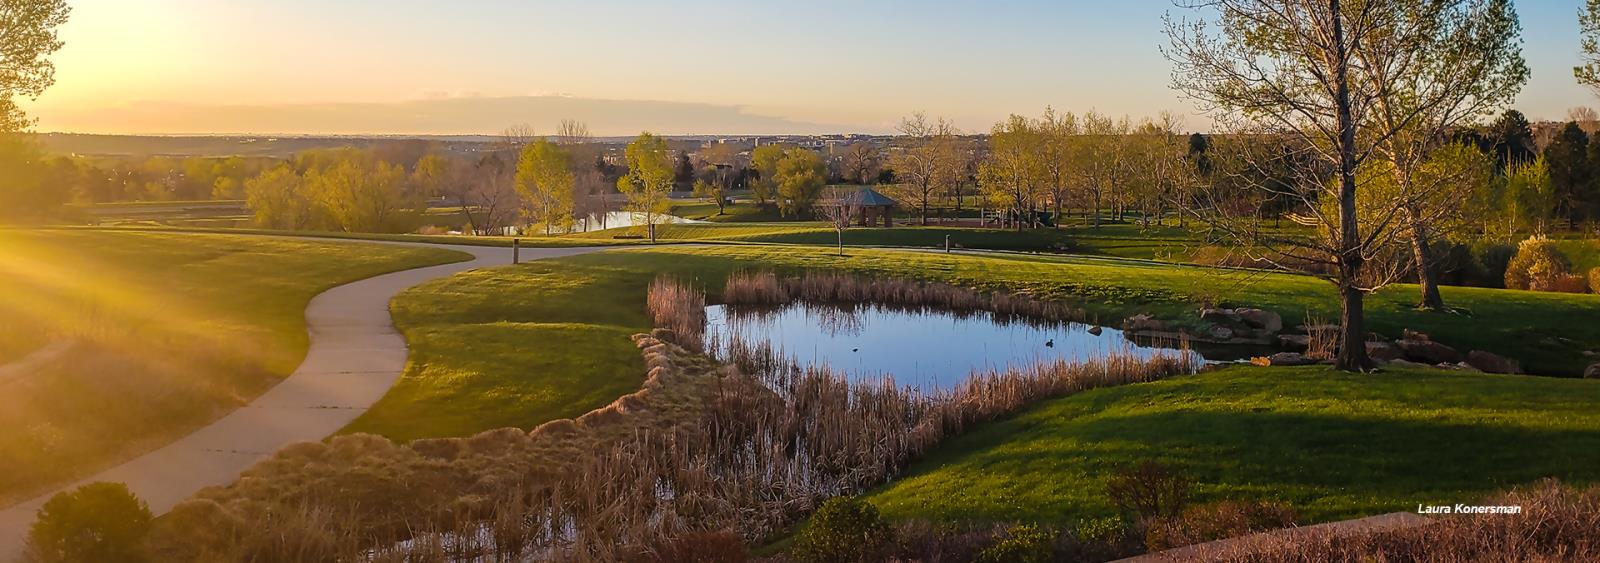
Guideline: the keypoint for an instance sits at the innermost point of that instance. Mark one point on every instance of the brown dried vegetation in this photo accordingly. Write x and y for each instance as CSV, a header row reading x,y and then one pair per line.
x,y
704,449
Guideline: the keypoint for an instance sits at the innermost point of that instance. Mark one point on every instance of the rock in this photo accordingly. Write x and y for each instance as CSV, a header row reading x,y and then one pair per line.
x,y
1259,319
1221,333
1428,352
1294,342
1593,372
1409,334
1289,359
1406,364
1221,316
1590,353
1383,351
1143,323
1461,366
1492,363
1095,330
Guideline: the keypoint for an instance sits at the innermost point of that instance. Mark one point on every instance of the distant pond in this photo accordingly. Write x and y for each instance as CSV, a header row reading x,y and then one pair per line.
x,y
929,349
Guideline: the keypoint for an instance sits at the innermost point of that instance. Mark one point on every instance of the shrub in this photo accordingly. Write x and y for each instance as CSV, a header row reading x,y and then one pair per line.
x,y
844,530
1538,263
1099,539
1149,489
1563,283
1594,279
1208,522
1024,543
98,522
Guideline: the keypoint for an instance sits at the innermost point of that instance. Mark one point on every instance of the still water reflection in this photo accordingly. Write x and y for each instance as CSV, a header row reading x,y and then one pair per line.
x,y
928,349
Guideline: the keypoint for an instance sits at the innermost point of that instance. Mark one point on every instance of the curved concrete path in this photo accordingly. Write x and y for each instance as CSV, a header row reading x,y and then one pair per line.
x,y
355,356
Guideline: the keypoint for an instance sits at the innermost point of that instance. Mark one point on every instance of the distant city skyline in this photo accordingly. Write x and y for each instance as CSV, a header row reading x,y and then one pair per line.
x,y
689,67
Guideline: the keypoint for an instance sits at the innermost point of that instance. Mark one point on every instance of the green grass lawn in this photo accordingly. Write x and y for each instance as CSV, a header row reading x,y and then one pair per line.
x,y
1330,444
740,212
175,330
533,241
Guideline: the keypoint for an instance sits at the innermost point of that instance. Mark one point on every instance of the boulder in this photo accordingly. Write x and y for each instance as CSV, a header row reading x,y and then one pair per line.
x,y
1428,351
1143,323
1266,321
1593,372
1492,363
1383,351
1289,359
1461,366
1405,364
1095,330
1221,333
1409,334
1220,316
1294,342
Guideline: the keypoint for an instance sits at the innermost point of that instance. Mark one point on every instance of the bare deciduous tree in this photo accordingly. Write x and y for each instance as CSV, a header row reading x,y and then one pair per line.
x,y
927,161
838,206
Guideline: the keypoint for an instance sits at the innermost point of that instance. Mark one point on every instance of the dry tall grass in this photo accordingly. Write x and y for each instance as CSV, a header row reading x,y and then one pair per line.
x,y
1558,523
765,288
1323,338
677,307
703,448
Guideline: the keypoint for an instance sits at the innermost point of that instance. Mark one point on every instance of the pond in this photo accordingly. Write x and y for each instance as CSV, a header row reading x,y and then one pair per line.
x,y
617,219
928,349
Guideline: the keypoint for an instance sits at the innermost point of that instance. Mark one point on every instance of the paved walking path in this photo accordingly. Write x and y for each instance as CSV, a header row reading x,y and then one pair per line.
x,y
355,356
26,364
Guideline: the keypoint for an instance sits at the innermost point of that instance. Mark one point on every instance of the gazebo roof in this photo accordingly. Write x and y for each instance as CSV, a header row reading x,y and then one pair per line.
x,y
871,198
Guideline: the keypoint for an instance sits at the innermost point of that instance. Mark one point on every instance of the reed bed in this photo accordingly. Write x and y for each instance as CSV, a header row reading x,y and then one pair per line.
x,y
744,448
767,289
677,307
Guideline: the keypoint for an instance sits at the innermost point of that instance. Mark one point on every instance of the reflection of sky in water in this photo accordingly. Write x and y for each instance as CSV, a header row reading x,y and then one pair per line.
x,y
928,349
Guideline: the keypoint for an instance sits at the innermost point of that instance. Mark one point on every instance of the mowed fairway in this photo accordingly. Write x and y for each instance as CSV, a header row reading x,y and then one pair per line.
x,y
1332,445
171,331
522,345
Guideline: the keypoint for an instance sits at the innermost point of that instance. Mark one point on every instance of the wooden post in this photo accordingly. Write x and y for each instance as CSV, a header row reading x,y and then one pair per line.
x,y
947,244
516,251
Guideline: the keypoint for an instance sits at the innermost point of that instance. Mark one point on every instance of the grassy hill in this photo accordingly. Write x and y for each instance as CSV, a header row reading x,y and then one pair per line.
x,y
172,331
1332,445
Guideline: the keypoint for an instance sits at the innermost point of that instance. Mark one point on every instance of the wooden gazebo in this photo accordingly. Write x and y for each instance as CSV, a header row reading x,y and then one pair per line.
x,y
874,205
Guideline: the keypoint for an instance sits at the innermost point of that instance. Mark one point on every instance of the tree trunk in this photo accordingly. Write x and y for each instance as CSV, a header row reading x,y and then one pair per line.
x,y
1352,321
1427,274
1096,210
925,206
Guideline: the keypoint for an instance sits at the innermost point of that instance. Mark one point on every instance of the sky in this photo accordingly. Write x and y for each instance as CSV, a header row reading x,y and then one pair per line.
x,y
672,67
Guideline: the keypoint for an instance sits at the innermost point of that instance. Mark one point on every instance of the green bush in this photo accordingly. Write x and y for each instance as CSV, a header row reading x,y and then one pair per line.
x,y
97,523
1537,265
844,530
1024,543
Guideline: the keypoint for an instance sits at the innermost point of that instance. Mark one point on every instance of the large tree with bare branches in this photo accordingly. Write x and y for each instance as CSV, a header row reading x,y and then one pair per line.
x,y
1327,81
927,162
